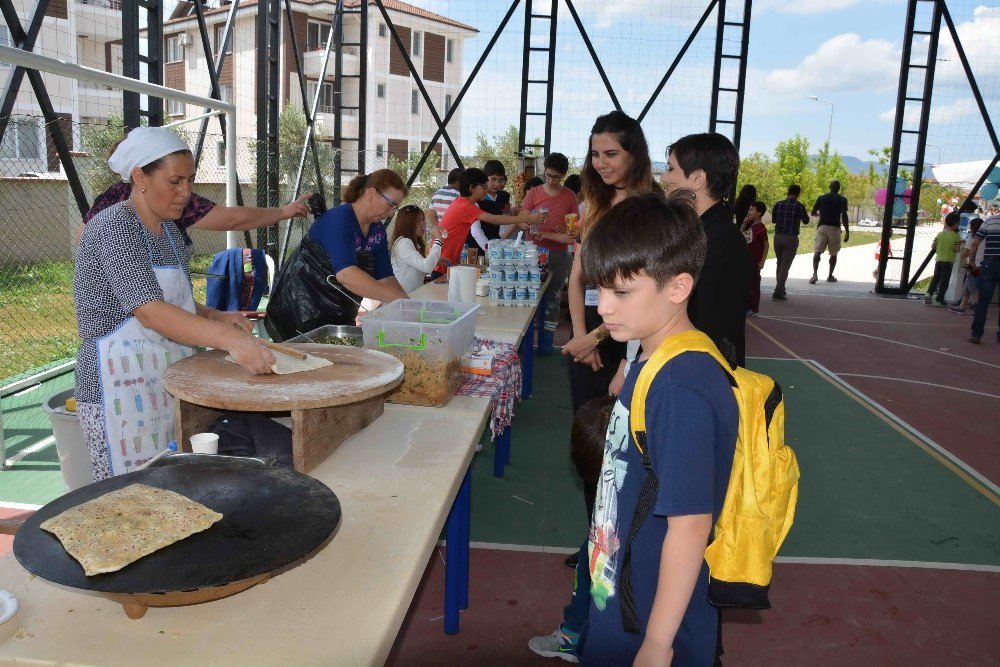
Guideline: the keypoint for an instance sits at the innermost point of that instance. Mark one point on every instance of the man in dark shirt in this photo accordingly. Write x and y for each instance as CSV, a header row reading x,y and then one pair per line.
x,y
787,215
707,165
832,211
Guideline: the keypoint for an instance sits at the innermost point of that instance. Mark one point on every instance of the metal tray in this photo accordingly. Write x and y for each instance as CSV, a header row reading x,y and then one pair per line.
x,y
341,330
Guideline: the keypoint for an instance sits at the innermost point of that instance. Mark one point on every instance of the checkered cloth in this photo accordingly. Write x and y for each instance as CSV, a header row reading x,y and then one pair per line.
x,y
502,388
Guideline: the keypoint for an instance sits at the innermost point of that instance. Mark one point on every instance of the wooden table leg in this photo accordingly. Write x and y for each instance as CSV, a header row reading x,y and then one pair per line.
x,y
317,432
189,419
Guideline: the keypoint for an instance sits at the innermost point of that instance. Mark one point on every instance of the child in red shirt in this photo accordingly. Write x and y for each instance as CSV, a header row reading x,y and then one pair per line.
x,y
756,235
463,212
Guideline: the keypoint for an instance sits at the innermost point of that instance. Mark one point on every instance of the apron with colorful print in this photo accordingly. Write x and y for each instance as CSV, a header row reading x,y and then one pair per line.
x,y
138,411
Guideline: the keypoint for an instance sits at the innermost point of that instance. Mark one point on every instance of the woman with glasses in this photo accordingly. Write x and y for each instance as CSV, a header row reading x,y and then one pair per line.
x,y
411,260
345,250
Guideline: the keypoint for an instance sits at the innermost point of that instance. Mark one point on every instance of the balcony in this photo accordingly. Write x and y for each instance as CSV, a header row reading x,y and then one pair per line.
x,y
98,101
99,20
312,62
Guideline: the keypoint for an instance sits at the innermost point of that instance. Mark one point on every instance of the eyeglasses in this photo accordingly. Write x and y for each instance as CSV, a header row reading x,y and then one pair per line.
x,y
498,179
392,205
553,177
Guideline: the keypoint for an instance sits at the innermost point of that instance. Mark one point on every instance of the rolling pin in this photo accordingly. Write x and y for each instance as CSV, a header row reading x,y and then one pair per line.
x,y
284,350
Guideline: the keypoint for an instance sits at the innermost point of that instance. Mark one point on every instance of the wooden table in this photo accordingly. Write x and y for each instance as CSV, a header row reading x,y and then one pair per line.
x,y
513,325
396,480
326,405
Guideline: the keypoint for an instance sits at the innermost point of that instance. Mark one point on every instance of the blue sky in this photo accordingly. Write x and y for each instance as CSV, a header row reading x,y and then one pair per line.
x,y
845,51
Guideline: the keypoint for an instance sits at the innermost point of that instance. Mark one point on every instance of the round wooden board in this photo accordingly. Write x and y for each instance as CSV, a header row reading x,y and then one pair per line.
x,y
207,379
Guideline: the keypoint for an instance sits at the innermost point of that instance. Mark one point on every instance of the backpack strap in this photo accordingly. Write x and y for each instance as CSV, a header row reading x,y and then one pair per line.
x,y
688,341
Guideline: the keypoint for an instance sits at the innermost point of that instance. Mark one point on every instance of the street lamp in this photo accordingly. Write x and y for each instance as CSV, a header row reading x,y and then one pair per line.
x,y
829,130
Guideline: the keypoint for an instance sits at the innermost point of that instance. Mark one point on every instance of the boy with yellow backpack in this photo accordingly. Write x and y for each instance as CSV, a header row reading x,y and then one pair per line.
x,y
694,455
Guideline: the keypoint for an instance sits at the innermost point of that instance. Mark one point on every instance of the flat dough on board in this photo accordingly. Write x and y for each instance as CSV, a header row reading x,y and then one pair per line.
x,y
109,532
285,364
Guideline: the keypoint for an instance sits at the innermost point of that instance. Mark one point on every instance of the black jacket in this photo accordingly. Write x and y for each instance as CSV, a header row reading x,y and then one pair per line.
x,y
718,306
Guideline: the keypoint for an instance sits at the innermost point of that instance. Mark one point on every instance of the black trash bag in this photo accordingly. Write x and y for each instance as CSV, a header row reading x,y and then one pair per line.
x,y
303,300
251,434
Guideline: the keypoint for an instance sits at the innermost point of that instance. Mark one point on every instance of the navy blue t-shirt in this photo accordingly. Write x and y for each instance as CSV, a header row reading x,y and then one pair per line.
x,y
339,232
691,427
831,208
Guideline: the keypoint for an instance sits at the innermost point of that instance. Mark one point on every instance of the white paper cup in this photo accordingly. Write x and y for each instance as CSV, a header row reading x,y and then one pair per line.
x,y
205,443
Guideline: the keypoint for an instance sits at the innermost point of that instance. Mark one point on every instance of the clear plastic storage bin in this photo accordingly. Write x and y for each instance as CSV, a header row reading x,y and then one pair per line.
x,y
429,337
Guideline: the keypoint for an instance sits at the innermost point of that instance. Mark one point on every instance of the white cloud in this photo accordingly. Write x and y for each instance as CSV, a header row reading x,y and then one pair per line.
x,y
804,6
843,63
979,41
610,13
941,114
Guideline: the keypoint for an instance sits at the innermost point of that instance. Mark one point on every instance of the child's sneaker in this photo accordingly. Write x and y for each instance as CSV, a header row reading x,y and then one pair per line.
x,y
957,310
927,300
557,645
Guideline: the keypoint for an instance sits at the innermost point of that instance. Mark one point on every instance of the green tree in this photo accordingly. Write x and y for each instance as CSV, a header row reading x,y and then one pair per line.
x,y
794,166
97,142
291,135
503,148
426,183
759,170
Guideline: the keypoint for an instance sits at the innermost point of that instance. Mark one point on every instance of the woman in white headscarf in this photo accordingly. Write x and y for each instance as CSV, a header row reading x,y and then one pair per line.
x,y
135,309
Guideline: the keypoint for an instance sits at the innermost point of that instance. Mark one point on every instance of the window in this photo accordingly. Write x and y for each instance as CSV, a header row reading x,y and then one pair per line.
x,y
175,50
449,51
220,30
414,101
381,30
22,140
221,152
317,35
226,92
447,104
4,41
326,97
175,108
379,150
380,90
416,43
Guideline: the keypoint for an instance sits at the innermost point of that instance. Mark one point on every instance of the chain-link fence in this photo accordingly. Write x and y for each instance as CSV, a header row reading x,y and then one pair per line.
x,y
40,222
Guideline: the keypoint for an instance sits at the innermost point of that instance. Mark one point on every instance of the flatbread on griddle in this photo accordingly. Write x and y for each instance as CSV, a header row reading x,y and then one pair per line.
x,y
107,533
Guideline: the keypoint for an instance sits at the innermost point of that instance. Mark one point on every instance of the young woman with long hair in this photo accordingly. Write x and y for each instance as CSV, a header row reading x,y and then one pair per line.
x,y
411,260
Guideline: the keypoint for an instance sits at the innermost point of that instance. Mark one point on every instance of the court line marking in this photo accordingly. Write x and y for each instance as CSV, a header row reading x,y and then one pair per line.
x,y
946,458
965,472
929,384
837,319
28,451
531,548
772,358
792,560
7,505
893,342
874,562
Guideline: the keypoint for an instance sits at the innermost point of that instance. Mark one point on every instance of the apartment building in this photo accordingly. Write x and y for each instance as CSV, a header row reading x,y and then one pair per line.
x,y
398,122
87,32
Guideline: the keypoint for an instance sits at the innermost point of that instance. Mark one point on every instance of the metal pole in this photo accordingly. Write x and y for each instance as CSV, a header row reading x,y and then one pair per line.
x,y
677,59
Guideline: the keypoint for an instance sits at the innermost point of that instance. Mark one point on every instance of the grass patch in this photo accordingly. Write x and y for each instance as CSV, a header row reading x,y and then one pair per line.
x,y
807,238
37,317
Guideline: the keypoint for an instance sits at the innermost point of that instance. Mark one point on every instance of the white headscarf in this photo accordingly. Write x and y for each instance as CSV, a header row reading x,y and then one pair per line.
x,y
142,146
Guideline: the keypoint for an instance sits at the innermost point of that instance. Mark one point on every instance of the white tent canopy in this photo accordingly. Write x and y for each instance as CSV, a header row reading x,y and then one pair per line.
x,y
960,174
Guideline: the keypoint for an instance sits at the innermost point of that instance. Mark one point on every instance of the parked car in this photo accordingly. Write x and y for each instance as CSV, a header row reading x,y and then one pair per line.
x,y
869,222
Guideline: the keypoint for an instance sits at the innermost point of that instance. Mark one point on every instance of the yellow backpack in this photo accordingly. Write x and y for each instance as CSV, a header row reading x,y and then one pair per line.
x,y
763,487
